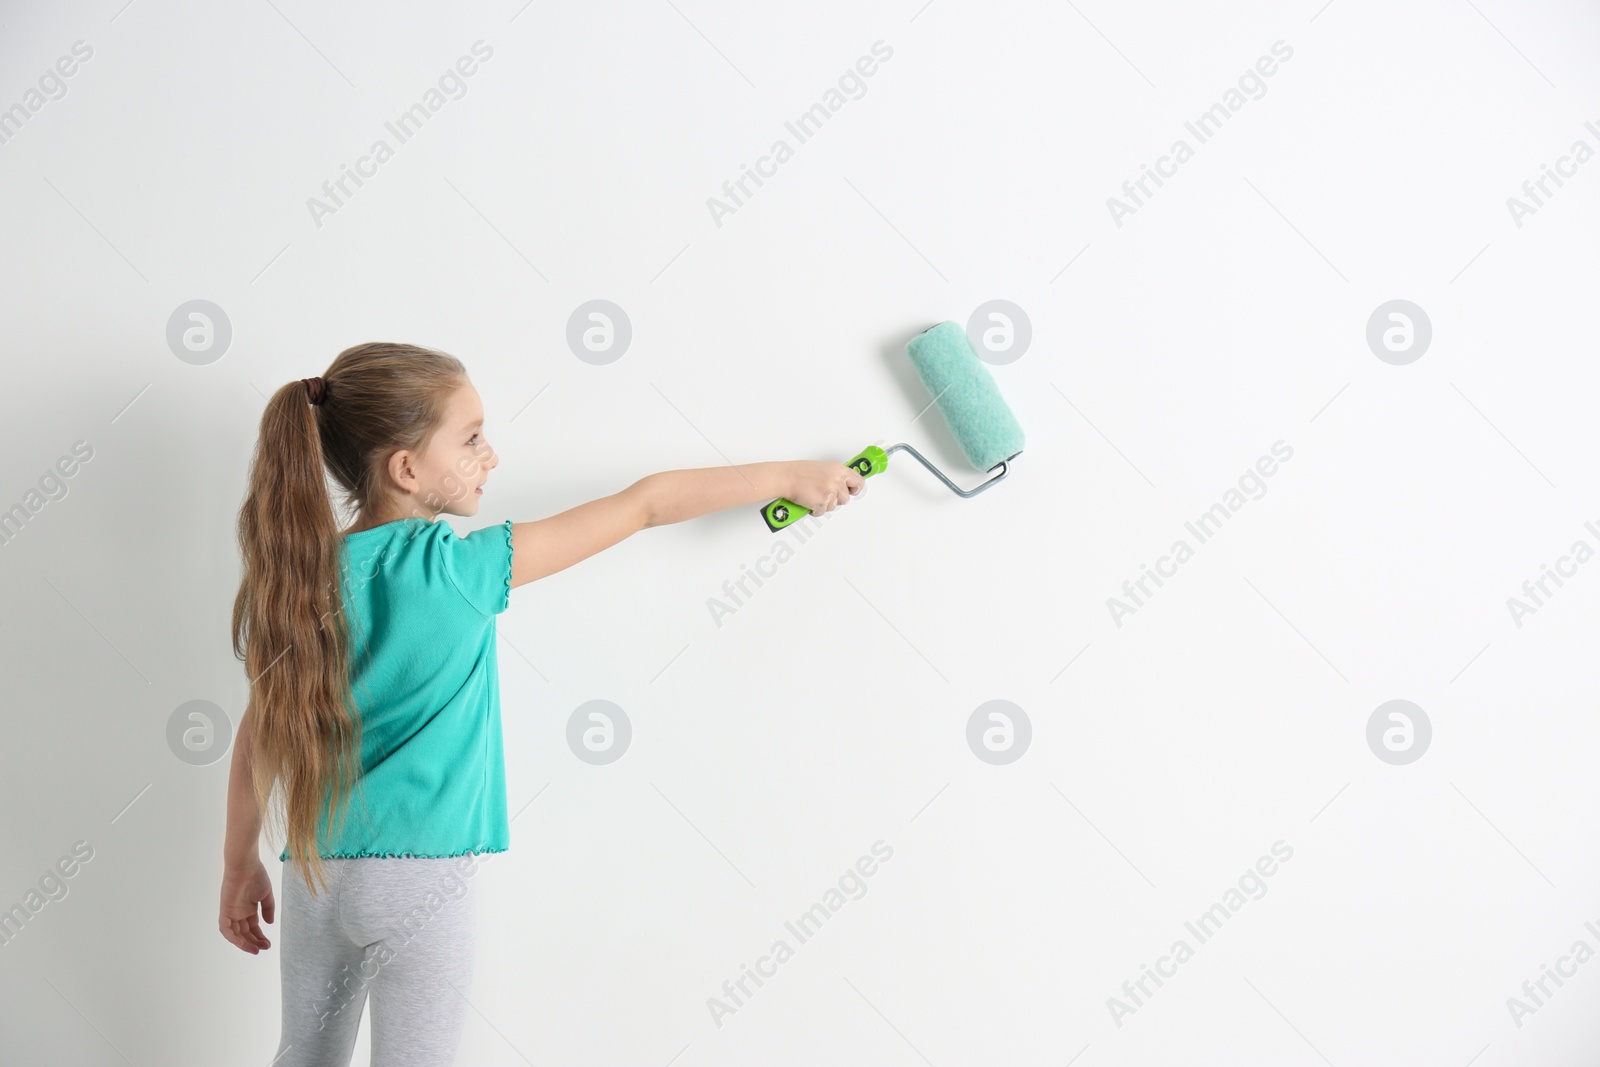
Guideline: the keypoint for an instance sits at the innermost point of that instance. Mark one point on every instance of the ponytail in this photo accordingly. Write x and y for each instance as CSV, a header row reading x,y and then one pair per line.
x,y
291,632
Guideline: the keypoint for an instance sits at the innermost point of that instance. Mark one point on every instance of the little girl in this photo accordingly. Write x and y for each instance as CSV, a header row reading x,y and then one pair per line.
x,y
371,658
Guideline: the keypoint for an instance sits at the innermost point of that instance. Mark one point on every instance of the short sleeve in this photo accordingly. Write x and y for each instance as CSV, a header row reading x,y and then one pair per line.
x,y
479,566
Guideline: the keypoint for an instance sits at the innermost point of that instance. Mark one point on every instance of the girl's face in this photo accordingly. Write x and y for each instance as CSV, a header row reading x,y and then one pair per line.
x,y
447,475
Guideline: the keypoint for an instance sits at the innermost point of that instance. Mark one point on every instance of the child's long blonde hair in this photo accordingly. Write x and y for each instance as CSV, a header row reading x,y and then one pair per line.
x,y
288,624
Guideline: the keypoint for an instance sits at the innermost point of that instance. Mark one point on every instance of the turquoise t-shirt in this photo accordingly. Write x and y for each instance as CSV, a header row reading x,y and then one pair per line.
x,y
421,605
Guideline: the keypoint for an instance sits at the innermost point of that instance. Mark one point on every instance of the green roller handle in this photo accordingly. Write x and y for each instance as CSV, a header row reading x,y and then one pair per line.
x,y
781,512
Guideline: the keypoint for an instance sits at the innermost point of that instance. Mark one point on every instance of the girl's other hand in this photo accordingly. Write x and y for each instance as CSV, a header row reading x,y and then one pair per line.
x,y
820,486
243,887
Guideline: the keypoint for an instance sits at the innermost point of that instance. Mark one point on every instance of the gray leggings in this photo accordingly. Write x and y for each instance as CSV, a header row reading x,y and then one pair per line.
x,y
402,927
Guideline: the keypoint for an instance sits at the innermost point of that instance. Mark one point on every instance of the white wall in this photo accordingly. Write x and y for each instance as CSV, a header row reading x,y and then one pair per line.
x,y
1170,748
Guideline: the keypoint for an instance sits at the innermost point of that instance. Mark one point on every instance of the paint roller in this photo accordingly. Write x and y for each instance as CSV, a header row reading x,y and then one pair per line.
x,y
970,402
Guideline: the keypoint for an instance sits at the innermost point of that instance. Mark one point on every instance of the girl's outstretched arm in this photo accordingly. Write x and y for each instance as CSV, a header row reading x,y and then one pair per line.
x,y
541,548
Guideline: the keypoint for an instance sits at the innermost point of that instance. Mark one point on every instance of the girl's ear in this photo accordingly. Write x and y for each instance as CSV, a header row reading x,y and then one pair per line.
x,y
400,471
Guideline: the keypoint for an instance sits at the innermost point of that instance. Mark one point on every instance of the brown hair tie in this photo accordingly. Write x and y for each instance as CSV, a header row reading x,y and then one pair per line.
x,y
316,389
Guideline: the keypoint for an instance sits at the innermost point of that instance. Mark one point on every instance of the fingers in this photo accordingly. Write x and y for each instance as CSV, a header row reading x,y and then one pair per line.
x,y
245,933
842,488
256,934
235,935
268,907
851,485
249,935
